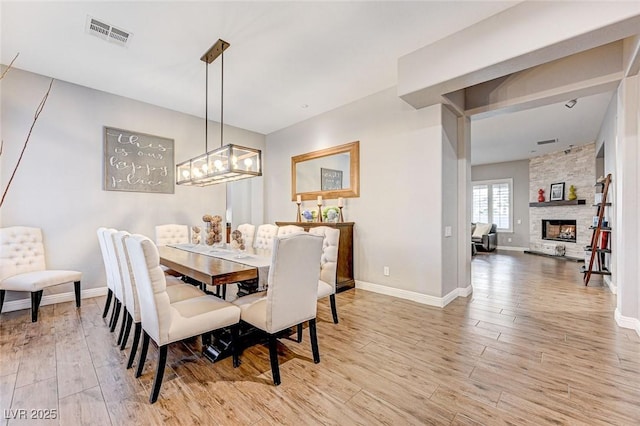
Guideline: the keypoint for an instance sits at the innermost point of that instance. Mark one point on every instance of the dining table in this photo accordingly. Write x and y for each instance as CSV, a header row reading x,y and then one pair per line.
x,y
217,266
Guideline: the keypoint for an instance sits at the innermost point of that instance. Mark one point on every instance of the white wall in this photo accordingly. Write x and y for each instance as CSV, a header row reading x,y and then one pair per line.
x,y
398,216
519,172
449,183
627,199
59,184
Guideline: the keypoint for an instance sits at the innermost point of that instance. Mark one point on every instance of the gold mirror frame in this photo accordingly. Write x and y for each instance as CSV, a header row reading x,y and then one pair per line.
x,y
353,149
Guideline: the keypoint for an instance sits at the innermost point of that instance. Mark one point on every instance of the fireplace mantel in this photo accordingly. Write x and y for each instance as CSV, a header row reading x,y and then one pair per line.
x,y
558,203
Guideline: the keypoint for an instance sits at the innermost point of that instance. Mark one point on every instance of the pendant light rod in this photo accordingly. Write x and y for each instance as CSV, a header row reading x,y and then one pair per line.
x,y
222,99
206,109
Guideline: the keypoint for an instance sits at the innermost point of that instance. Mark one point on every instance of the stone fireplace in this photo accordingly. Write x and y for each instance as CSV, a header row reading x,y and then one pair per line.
x,y
560,227
559,230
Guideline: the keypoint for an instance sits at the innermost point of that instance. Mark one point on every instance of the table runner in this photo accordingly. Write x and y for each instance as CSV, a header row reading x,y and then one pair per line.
x,y
262,263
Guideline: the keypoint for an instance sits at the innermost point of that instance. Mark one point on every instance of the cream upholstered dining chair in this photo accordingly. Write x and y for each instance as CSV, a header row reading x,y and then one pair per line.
x,y
291,297
248,230
285,230
171,234
108,273
176,289
264,236
166,322
111,266
23,266
328,265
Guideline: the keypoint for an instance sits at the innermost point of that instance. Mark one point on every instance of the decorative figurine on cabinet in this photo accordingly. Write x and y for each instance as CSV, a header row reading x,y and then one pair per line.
x,y
541,195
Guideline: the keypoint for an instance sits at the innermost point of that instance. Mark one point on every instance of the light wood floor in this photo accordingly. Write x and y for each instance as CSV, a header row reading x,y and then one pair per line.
x,y
532,345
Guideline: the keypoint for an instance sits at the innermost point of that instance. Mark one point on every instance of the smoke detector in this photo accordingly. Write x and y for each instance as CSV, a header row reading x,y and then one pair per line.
x,y
108,32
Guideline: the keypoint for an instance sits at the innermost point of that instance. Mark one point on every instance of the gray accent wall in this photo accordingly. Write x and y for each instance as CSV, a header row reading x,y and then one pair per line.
x,y
58,186
519,172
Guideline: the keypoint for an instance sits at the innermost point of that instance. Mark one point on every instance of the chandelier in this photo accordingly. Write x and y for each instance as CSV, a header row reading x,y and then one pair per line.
x,y
229,162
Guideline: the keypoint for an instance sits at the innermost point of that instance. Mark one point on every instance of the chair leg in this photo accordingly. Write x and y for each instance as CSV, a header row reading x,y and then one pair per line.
x,y
334,310
116,316
314,340
2,292
127,330
143,353
113,311
235,345
299,332
76,287
36,297
273,356
134,345
125,319
107,303
157,381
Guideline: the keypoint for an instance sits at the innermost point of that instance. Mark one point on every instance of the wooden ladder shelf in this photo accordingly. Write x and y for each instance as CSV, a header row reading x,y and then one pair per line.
x,y
594,248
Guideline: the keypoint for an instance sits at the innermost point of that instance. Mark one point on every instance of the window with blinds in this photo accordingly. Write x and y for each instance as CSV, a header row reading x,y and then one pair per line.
x,y
492,203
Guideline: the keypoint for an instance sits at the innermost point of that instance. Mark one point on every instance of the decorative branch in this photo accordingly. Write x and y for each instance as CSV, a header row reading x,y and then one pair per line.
x,y
1,77
24,147
9,67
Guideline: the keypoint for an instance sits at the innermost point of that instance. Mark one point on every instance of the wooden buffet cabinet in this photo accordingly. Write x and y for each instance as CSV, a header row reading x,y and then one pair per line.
x,y
344,279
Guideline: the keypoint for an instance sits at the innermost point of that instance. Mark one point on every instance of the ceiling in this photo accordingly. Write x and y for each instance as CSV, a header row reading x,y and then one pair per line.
x,y
288,61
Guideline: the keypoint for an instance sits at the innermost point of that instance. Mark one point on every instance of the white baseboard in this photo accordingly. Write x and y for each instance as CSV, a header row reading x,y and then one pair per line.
x,y
424,299
627,322
50,299
609,282
509,248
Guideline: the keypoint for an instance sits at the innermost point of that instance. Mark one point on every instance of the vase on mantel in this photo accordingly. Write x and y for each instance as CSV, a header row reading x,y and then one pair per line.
x,y
541,195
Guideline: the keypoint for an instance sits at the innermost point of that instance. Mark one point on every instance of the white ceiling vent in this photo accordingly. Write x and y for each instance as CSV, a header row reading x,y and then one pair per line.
x,y
107,32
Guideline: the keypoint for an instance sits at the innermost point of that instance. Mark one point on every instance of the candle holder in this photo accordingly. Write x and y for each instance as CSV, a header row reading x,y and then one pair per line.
x,y
319,212
298,216
340,217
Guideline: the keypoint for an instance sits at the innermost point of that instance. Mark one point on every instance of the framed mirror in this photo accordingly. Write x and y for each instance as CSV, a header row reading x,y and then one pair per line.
x,y
332,172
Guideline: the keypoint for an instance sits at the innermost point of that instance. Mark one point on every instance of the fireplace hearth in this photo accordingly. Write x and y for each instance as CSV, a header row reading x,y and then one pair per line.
x,y
559,230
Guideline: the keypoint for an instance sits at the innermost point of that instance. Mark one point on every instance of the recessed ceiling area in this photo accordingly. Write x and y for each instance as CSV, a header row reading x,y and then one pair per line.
x,y
514,136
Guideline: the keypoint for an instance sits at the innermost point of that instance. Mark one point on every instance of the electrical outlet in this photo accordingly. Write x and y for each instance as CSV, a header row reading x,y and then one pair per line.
x,y
385,271
447,231
519,222
509,239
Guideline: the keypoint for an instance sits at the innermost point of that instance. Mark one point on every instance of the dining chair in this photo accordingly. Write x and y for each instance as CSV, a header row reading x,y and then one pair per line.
x,y
248,230
289,229
328,268
264,236
171,234
328,265
176,290
291,297
23,267
108,273
166,322
112,270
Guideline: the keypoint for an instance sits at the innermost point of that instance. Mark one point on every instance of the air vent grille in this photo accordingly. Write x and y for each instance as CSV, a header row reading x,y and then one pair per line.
x,y
547,141
107,32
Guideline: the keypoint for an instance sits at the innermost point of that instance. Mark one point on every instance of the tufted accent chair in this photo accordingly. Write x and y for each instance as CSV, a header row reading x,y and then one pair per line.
x,y
248,231
23,267
285,230
291,297
167,322
172,234
264,236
